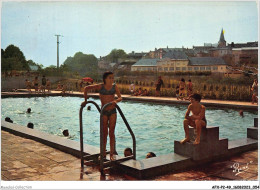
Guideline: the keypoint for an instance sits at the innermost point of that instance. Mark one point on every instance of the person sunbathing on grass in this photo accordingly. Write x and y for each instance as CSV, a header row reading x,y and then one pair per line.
x,y
196,120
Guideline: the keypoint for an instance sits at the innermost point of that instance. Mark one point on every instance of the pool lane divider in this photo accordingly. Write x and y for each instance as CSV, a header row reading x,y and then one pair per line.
x,y
141,169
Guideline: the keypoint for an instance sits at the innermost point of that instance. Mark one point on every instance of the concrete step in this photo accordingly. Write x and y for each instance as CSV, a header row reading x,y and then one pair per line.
x,y
242,145
155,166
209,133
255,122
202,151
252,132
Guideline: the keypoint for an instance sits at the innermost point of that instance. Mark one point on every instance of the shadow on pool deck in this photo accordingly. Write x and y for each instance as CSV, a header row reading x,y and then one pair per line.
x,y
27,160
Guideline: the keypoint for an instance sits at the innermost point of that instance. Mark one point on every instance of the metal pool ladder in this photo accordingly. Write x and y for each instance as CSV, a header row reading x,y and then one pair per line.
x,y
92,156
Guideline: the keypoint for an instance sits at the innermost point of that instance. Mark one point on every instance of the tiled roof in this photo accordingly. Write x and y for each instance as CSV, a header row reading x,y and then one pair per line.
x,y
206,61
137,54
219,48
240,45
146,62
175,55
171,49
203,47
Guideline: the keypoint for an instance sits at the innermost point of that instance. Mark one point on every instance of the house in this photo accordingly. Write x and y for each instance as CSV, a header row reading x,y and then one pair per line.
x,y
145,65
126,63
245,56
135,55
173,61
198,50
213,64
159,53
220,52
102,63
242,45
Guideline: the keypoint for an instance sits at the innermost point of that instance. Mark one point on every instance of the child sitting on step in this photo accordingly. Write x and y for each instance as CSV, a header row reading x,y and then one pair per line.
x,y
196,120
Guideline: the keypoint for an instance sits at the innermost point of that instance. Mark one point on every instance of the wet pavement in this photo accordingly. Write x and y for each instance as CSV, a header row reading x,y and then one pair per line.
x,y
27,160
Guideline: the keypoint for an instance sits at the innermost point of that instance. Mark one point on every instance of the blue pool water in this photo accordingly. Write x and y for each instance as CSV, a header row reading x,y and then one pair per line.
x,y
155,126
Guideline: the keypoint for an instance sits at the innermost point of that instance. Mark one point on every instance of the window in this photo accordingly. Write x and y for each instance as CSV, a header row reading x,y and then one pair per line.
x,y
138,69
190,68
165,68
215,68
196,68
178,68
183,68
159,69
171,68
208,68
202,68
149,69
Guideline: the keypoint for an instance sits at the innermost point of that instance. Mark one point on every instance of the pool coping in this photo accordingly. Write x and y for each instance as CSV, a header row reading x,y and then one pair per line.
x,y
61,143
142,169
151,99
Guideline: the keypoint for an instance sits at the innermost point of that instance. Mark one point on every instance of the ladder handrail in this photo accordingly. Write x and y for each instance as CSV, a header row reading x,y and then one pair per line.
x,y
102,134
81,129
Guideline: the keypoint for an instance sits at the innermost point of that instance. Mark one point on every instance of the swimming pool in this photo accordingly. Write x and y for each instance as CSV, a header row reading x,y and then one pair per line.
x,y
155,126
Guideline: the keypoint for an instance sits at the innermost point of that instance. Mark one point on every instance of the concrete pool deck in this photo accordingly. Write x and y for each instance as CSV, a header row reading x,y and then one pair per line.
x,y
159,100
34,161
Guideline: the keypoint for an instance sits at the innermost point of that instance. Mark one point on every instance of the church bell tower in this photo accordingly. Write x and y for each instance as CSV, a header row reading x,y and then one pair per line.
x,y
222,41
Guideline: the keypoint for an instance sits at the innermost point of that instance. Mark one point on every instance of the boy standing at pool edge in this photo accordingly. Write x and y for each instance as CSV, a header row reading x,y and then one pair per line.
x,y
196,120
107,92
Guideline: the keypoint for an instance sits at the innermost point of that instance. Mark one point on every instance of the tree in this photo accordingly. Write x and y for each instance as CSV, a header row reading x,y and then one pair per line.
x,y
115,54
13,59
81,63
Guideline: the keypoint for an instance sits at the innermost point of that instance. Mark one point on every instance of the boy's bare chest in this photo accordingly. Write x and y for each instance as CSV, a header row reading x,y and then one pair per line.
x,y
196,109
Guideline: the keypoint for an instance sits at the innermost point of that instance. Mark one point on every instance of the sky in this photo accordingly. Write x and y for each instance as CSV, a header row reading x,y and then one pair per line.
x,y
95,27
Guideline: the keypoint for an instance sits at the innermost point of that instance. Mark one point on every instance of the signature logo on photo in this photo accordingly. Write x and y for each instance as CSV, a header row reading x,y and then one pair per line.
x,y
240,169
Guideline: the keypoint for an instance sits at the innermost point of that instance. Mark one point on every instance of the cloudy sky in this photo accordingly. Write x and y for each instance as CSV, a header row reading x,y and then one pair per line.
x,y
98,27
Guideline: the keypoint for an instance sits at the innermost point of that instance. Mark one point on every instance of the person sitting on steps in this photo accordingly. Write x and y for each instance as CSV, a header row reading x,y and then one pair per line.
x,y
196,120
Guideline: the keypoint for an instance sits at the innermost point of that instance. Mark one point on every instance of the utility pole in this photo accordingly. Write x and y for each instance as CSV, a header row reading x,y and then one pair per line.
x,y
58,49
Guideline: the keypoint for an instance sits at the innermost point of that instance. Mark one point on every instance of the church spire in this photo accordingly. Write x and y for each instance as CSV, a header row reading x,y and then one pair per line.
x,y
222,41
